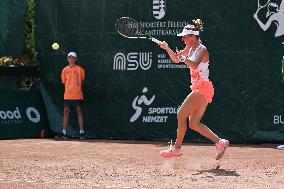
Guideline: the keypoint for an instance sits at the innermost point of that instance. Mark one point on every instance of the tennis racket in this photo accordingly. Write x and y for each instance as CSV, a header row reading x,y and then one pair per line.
x,y
130,28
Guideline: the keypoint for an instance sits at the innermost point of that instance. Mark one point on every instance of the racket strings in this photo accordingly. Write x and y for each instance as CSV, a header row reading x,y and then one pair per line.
x,y
129,28
262,6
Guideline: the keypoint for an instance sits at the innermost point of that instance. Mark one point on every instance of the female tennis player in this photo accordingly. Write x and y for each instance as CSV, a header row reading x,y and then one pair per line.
x,y
196,57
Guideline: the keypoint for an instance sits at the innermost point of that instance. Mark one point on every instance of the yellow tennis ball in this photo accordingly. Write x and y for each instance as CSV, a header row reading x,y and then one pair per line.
x,y
55,46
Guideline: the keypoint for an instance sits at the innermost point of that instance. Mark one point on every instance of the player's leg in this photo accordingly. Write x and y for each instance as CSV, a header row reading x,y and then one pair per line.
x,y
80,120
190,104
66,113
194,124
80,117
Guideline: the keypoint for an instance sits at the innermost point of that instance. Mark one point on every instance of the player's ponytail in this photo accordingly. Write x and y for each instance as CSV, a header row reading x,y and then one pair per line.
x,y
198,25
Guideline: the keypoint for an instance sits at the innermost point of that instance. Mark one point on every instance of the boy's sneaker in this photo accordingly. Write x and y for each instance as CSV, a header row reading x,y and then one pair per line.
x,y
171,152
64,136
281,147
221,147
82,136
61,136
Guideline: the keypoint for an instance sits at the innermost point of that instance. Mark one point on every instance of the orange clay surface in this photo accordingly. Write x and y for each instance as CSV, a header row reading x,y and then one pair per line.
x,y
48,163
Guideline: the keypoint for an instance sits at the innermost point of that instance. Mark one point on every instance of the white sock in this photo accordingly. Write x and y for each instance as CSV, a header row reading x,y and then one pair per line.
x,y
64,131
82,131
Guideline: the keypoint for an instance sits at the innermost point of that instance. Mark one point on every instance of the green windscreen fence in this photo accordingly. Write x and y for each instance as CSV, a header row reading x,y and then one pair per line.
x,y
133,89
22,114
12,25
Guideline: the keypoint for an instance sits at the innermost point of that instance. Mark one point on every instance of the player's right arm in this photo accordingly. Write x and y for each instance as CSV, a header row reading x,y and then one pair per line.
x,y
173,56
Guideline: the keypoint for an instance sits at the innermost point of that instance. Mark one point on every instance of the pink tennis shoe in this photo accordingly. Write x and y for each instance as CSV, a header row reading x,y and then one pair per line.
x,y
221,147
171,152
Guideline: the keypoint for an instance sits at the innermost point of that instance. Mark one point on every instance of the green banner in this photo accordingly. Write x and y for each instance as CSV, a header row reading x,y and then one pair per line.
x,y
133,89
12,25
22,115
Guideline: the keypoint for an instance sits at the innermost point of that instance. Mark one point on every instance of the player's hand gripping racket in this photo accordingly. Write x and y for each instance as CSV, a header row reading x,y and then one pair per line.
x,y
130,28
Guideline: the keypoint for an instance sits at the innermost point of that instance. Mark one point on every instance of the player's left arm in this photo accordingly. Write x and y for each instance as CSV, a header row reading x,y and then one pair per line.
x,y
63,78
83,75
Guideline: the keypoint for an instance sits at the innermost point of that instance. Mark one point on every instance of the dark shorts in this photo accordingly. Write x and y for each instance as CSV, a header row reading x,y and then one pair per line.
x,y
74,103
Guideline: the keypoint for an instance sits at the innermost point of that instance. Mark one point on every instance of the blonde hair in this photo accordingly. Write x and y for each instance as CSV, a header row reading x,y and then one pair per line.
x,y
197,25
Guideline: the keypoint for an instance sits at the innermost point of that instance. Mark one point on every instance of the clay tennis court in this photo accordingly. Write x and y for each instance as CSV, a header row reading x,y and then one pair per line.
x,y
47,163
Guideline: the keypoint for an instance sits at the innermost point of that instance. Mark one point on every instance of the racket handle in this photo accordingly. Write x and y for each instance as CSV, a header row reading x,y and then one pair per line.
x,y
156,40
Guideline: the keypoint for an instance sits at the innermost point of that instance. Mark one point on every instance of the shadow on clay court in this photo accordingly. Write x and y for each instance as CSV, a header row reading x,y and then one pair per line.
x,y
218,172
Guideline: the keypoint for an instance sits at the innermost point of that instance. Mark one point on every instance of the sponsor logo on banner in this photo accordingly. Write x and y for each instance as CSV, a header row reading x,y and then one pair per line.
x,y
145,110
272,12
143,61
278,119
163,28
15,116
33,115
132,61
164,62
159,9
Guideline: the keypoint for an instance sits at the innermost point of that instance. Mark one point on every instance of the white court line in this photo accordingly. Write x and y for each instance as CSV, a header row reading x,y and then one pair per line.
x,y
15,180
31,181
49,182
113,187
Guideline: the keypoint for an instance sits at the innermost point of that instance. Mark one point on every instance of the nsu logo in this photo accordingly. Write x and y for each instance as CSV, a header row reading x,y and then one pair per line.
x,y
132,61
159,9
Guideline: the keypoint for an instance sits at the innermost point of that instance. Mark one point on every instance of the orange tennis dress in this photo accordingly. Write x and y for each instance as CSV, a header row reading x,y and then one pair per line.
x,y
200,77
